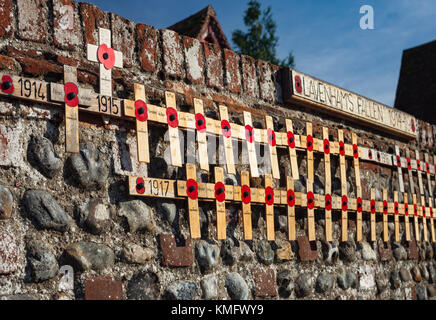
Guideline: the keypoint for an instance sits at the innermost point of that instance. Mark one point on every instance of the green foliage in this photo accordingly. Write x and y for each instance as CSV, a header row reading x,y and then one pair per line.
x,y
260,40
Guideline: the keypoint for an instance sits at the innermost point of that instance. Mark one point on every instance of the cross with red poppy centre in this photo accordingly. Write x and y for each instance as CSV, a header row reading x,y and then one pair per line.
x,y
107,57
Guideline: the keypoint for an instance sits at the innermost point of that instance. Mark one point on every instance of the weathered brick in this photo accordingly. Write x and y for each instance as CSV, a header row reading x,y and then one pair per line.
x,y
385,251
305,251
233,75
67,61
172,53
16,52
123,38
214,65
103,288
92,18
267,88
65,23
278,84
148,44
175,256
194,60
32,20
264,283
7,63
249,76
6,15
8,253
39,67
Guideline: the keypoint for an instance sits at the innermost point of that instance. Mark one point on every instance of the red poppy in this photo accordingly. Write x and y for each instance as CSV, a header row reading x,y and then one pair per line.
x,y
431,212
227,130
298,85
140,187
341,148
310,200
344,203
406,209
359,204
427,166
192,189
413,125
291,140
385,207
415,210
71,94
220,191
370,154
249,134
423,211
328,202
418,165
269,196
372,206
309,141
291,198
106,56
326,146
172,117
141,110
355,151
7,85
200,122
396,208
398,161
245,194
409,164
271,138
378,156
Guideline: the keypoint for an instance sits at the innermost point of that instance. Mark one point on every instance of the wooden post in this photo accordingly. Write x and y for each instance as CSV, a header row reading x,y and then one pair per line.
x,y
173,131
424,218
418,170
309,183
194,215
228,145
358,186
246,206
342,165
406,216
373,216
141,124
201,134
400,171
292,152
71,113
220,205
269,208
415,219
291,208
328,184
271,138
433,238
385,216
396,217
251,144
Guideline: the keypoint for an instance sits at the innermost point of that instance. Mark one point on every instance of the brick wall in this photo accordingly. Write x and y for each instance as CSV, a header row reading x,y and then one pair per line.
x,y
153,257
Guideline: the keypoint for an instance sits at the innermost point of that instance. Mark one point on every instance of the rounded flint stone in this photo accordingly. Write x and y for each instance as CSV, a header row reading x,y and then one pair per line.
x,y
181,290
44,209
206,254
143,286
43,264
236,286
325,282
41,154
90,256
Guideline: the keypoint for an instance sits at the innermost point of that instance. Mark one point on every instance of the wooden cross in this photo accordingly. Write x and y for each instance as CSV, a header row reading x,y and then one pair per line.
x,y
423,214
418,170
399,165
269,214
396,217
227,138
246,206
356,156
250,142
107,57
433,237
342,165
194,215
373,215
290,199
292,151
309,183
271,138
220,204
141,113
385,216
173,130
327,147
406,216
415,219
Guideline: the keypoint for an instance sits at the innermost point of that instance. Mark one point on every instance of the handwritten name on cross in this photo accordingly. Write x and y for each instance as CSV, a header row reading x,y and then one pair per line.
x,y
107,57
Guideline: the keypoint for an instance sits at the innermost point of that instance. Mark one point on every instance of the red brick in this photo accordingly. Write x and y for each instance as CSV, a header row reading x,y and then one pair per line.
x,y
15,52
123,38
67,61
267,87
148,44
412,251
172,53
175,256
194,60
305,251
385,251
66,25
6,15
214,65
39,67
233,75
8,253
92,18
7,63
87,77
264,283
249,76
103,288
32,20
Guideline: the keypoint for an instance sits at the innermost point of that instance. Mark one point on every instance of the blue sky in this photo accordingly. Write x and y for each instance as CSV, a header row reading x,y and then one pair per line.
x,y
324,36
